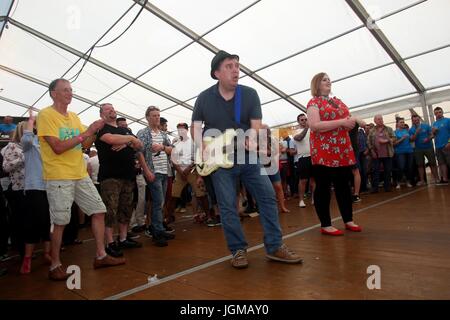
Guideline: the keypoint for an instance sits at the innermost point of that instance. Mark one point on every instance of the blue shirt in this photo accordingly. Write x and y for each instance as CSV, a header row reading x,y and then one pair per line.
x,y
405,145
362,140
218,113
33,161
7,128
425,132
443,133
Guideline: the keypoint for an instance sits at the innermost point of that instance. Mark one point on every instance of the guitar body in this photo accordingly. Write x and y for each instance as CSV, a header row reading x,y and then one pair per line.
x,y
217,153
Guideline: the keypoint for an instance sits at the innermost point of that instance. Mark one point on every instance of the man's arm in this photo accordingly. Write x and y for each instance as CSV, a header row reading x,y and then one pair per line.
x,y
299,137
119,139
86,139
148,174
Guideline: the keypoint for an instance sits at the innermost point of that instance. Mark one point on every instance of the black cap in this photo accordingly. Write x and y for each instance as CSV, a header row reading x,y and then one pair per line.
x,y
217,60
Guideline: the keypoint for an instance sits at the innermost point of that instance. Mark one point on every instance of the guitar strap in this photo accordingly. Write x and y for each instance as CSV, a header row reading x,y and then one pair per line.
x,y
237,106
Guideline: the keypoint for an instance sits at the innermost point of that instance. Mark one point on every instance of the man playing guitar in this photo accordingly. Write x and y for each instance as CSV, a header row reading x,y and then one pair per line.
x,y
224,106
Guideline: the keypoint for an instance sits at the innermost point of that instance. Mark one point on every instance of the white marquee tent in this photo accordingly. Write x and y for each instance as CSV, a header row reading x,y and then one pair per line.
x,y
383,56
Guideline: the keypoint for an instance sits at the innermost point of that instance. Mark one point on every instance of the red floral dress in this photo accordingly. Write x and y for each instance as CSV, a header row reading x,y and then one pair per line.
x,y
332,148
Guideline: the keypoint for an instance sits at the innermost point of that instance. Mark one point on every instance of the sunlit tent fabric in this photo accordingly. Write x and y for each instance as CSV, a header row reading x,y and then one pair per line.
x,y
383,56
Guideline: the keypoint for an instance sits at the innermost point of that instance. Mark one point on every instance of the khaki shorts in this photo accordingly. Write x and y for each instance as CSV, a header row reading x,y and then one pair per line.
x,y
62,193
420,154
117,194
179,185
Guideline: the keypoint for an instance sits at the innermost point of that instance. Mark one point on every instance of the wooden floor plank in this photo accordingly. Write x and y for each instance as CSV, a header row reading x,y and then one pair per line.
x,y
408,238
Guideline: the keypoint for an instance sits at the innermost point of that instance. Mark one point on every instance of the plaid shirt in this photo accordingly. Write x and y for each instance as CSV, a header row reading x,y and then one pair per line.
x,y
146,137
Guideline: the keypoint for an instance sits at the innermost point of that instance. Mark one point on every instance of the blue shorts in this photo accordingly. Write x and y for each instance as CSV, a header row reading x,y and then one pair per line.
x,y
275,177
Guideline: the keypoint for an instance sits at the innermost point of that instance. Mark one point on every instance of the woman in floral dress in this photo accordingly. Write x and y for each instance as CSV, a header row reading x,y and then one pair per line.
x,y
332,155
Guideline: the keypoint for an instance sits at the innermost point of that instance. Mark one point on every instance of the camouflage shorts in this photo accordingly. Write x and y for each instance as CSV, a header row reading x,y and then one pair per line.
x,y
117,195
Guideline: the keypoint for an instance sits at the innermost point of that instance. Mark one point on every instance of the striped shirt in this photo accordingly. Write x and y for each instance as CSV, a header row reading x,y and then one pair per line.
x,y
159,158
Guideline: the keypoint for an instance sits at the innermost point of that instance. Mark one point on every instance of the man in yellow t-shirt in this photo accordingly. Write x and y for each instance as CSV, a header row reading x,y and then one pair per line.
x,y
61,136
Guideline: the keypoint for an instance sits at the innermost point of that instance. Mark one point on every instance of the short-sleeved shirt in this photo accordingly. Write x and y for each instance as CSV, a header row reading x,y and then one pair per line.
x,y
303,147
7,128
424,133
183,153
115,164
68,165
405,145
331,148
218,113
443,134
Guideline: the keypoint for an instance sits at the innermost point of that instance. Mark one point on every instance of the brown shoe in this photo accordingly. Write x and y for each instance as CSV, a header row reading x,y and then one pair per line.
x,y
58,274
108,261
239,260
284,254
47,258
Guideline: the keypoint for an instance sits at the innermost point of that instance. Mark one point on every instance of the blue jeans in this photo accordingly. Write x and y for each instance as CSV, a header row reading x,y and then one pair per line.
x,y
362,166
387,165
404,166
158,191
224,181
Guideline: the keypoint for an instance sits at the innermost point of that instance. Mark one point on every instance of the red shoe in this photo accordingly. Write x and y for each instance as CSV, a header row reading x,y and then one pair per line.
x,y
353,228
26,265
332,233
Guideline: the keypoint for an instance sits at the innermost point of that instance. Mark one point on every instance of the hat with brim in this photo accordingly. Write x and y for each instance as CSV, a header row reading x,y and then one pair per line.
x,y
217,60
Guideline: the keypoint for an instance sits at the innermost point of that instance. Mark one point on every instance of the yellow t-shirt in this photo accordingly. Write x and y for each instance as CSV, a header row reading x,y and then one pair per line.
x,y
68,165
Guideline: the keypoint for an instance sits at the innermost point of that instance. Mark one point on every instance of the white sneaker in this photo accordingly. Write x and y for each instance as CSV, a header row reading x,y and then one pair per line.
x,y
420,183
409,185
302,204
397,187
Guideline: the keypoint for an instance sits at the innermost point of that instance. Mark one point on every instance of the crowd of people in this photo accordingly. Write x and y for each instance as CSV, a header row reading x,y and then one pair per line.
x,y
54,180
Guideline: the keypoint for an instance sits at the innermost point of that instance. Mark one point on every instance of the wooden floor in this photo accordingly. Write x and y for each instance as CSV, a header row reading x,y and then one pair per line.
x,y
406,233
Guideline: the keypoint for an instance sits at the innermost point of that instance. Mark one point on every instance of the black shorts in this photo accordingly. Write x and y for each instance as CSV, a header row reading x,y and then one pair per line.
x,y
304,166
36,223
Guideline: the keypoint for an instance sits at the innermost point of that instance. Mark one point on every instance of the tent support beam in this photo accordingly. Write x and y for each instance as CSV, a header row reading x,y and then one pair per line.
x,y
376,32
98,63
83,99
17,103
207,45
5,18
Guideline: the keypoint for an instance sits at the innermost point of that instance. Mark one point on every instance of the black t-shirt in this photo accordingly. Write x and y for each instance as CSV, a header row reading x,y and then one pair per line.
x,y
217,113
115,164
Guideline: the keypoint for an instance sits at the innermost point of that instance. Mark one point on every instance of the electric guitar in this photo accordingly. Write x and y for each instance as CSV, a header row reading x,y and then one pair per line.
x,y
217,153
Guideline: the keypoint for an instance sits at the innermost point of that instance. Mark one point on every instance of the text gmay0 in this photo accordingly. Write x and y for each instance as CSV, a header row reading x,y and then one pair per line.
x,y
225,310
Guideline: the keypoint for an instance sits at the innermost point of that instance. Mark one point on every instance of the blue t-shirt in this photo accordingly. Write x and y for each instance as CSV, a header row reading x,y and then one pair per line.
x,y
443,134
7,128
425,132
405,145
